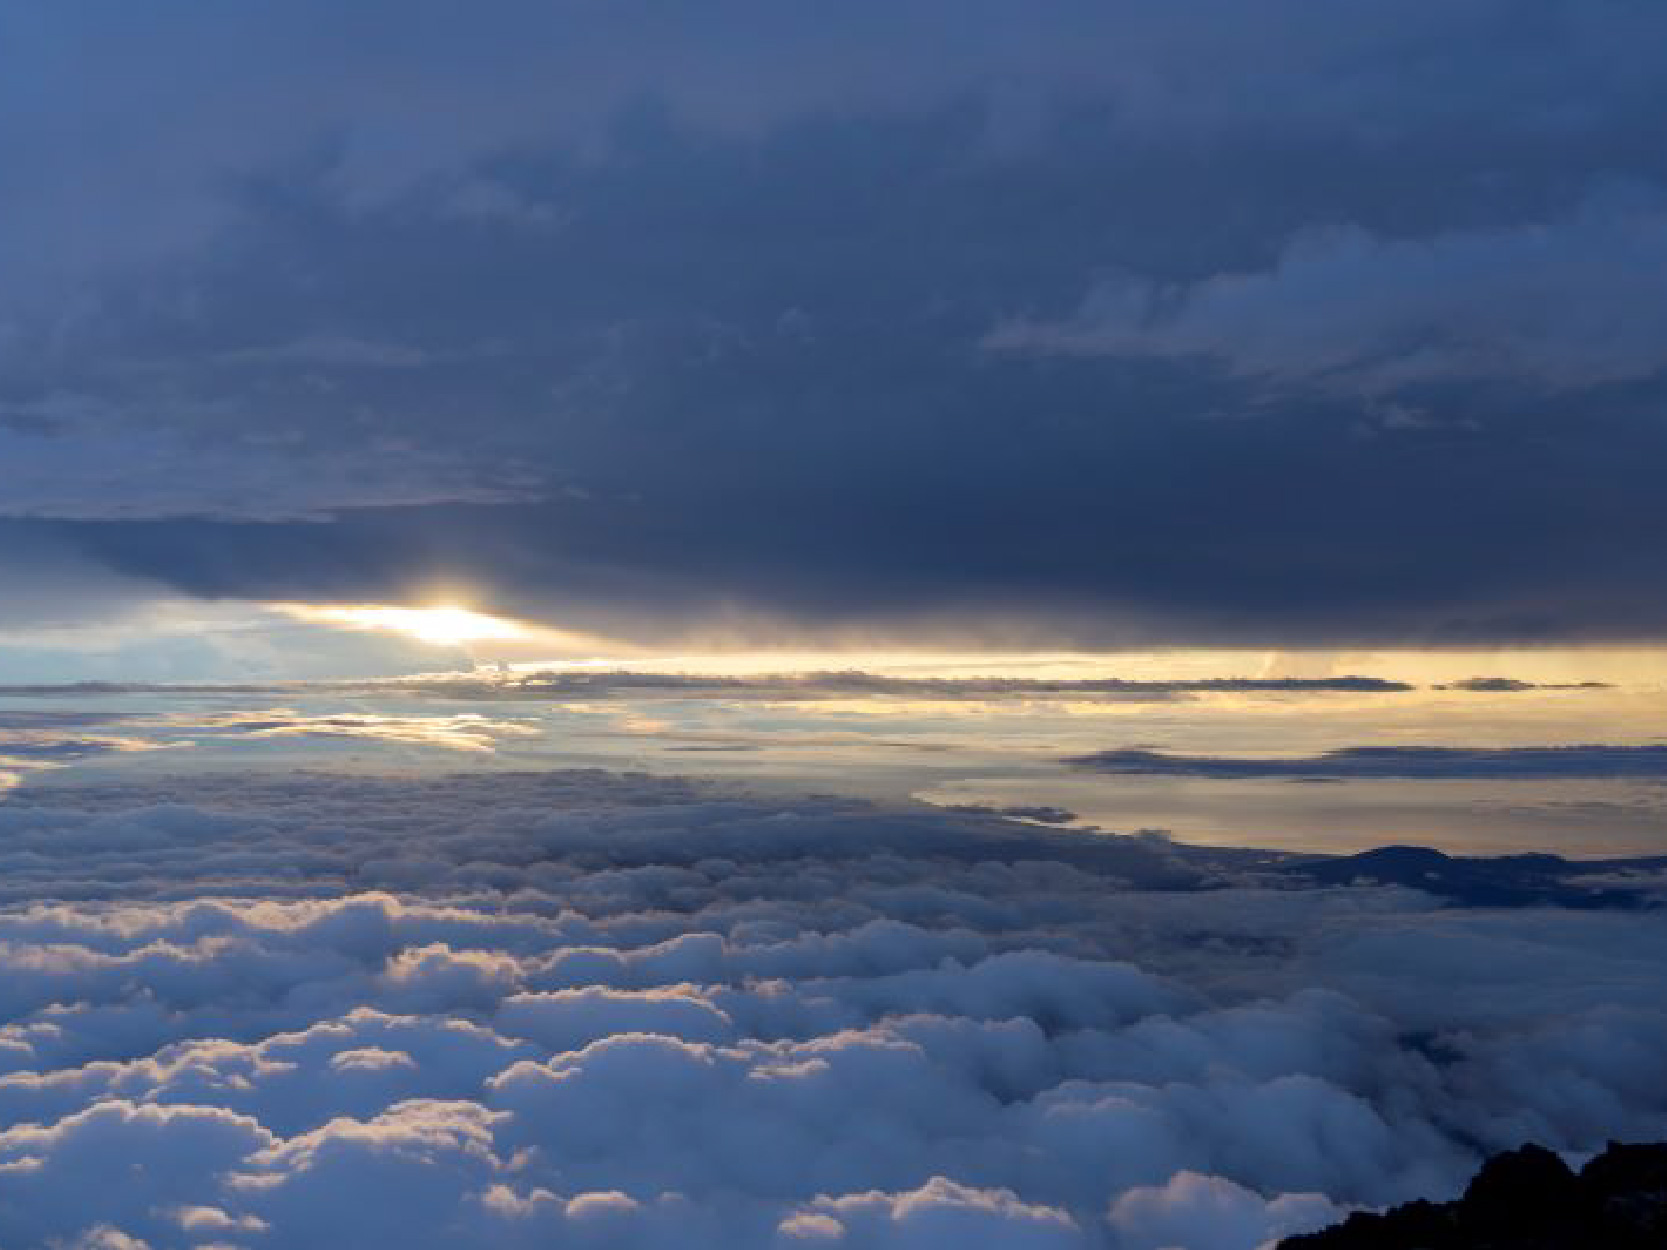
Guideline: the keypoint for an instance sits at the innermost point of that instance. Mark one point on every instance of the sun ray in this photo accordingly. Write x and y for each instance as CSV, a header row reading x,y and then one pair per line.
x,y
439,625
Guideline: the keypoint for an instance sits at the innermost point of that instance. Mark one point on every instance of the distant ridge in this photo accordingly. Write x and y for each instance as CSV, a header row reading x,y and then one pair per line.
x,y
1525,1199
1533,880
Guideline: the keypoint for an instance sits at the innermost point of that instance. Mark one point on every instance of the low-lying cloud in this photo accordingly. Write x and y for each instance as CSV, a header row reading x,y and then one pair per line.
x,y
1513,685
1402,763
599,1009
31,742
592,684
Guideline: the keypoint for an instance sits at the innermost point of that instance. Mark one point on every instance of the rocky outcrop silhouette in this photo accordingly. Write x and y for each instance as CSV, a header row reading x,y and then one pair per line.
x,y
1525,1199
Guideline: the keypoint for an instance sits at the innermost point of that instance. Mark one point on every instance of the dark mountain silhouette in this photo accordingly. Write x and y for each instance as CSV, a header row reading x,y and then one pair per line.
x,y
1525,1199
1495,881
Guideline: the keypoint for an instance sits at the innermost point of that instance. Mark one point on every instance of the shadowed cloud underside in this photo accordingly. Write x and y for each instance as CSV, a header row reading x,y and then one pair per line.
x,y
1112,324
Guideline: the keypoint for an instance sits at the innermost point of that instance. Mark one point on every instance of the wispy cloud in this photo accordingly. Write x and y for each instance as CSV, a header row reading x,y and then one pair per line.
x,y
595,684
1417,763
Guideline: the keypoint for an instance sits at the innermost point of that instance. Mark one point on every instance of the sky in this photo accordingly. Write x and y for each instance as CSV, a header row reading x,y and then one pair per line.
x,y
998,324
766,626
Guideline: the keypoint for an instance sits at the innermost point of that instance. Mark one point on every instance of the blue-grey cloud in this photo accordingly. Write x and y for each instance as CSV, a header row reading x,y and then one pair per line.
x,y
1072,322
591,1009
1416,763
596,683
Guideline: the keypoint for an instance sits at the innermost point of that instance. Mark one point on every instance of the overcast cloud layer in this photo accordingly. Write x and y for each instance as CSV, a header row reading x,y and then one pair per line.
x,y
1100,322
583,1009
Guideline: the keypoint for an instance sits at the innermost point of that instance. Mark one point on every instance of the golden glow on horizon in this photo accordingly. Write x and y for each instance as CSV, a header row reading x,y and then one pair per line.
x,y
1622,666
528,646
446,625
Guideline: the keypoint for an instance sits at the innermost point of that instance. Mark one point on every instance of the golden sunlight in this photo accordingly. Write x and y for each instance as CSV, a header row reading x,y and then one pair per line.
x,y
446,625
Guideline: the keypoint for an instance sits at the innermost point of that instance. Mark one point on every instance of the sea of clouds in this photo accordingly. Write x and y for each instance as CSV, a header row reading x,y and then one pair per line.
x,y
592,1009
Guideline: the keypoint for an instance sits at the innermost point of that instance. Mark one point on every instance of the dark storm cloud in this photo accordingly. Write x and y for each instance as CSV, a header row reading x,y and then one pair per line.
x,y
1097,322
1413,763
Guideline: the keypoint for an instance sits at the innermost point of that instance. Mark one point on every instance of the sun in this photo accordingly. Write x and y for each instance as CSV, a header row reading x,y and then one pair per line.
x,y
443,625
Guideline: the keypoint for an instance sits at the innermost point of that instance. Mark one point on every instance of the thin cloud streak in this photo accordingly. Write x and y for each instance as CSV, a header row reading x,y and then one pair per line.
x,y
1401,763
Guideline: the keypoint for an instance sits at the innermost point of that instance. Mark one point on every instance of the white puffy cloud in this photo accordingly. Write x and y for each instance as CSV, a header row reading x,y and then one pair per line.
x,y
1211,1213
598,1010
938,1215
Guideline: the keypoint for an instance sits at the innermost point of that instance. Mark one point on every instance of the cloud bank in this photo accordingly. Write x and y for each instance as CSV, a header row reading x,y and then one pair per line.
x,y
591,684
1402,763
594,1009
